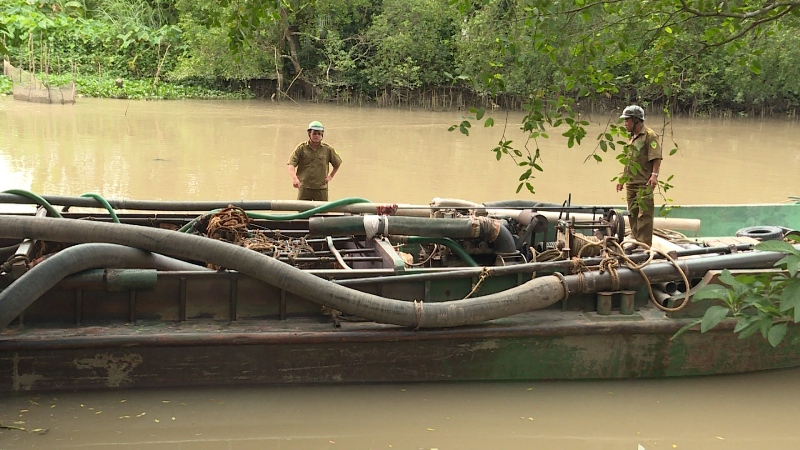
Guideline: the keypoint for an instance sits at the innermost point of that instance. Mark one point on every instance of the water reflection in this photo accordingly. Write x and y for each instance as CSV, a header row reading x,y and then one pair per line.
x,y
727,412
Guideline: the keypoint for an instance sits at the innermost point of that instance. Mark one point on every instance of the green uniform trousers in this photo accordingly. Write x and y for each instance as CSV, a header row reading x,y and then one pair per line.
x,y
641,208
320,195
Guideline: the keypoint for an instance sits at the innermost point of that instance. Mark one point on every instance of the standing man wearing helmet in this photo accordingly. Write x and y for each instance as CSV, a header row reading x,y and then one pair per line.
x,y
640,177
308,165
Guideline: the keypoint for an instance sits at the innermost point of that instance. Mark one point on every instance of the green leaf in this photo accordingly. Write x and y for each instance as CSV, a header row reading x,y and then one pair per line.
x,y
777,333
464,127
750,329
745,322
710,291
775,246
685,328
489,122
728,279
790,298
713,316
792,263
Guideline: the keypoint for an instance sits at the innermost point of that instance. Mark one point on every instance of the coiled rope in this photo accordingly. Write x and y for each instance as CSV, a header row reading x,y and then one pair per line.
x,y
617,251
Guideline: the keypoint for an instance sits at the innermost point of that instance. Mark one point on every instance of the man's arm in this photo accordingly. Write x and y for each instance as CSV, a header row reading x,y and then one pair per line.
x,y
335,161
653,181
293,173
333,172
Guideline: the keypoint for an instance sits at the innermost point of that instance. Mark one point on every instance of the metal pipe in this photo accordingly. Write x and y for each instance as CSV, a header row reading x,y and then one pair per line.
x,y
668,286
535,294
466,272
656,273
488,229
43,276
447,242
661,297
201,206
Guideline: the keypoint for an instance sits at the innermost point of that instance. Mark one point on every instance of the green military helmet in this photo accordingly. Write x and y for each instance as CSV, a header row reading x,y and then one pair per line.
x,y
633,111
316,125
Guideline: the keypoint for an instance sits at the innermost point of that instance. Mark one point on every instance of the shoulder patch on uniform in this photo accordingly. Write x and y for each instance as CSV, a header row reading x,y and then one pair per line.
x,y
653,144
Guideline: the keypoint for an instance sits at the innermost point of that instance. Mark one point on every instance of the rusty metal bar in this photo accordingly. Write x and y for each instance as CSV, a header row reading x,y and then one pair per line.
x,y
325,258
336,254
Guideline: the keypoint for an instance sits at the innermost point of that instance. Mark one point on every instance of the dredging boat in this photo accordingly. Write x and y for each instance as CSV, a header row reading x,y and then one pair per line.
x,y
130,293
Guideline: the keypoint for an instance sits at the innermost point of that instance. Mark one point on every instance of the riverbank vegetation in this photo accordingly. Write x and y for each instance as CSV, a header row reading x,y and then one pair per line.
x,y
692,57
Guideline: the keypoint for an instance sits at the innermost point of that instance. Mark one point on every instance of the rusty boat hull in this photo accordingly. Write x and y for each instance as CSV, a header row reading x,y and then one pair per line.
x,y
109,328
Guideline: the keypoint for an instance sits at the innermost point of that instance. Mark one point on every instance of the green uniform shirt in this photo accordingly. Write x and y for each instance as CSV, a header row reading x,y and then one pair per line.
x,y
645,150
312,165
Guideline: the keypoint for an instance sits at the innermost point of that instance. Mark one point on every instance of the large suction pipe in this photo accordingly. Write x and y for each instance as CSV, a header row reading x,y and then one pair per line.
x,y
43,276
535,294
485,228
531,296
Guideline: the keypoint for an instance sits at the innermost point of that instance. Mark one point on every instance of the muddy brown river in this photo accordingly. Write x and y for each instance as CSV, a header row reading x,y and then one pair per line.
x,y
231,150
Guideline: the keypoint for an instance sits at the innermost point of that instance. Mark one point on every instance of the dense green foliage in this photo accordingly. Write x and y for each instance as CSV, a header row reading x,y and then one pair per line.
x,y
551,58
694,57
765,303
95,42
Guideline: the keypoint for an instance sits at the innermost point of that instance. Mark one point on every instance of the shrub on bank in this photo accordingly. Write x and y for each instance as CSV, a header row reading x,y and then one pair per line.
x,y
5,85
99,87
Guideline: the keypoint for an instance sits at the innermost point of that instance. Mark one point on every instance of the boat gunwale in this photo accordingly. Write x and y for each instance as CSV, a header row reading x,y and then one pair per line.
x,y
647,321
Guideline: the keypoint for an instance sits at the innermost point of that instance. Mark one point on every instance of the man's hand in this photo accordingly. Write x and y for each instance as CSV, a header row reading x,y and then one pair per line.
x,y
296,182
653,181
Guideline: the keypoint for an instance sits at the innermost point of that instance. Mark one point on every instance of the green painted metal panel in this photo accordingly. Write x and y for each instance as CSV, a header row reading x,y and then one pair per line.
x,y
725,220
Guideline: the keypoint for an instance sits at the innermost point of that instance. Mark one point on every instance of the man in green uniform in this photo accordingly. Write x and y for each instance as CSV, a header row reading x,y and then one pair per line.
x,y
308,165
640,177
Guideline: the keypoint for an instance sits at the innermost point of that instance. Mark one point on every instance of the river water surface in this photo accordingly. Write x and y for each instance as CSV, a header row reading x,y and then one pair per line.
x,y
232,150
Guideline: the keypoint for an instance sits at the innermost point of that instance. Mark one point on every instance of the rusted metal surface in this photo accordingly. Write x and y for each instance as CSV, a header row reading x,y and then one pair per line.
x,y
179,328
543,345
